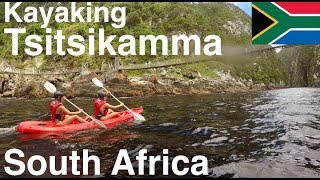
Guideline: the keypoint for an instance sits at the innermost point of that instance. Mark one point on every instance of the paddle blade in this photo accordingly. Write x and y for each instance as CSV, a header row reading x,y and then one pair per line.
x,y
50,87
97,82
99,123
138,117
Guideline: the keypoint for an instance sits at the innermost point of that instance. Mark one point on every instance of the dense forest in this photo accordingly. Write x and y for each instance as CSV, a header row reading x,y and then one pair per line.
x,y
292,67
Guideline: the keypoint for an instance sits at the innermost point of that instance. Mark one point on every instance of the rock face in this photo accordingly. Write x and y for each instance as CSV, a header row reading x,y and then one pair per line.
x,y
238,27
155,83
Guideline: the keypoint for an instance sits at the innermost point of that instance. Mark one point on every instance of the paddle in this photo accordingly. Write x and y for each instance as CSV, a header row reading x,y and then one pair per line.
x,y
137,116
51,88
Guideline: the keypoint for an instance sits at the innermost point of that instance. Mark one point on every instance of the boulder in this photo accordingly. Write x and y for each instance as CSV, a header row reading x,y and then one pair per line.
x,y
120,78
180,83
7,94
154,78
161,71
31,89
191,74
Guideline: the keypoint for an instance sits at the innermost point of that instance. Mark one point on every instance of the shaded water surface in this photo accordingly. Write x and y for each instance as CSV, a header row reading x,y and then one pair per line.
x,y
262,134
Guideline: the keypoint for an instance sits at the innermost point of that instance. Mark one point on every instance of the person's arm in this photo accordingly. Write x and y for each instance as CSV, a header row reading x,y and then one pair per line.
x,y
65,110
109,106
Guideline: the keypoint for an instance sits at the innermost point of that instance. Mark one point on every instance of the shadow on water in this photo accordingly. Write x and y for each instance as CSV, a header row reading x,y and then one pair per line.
x,y
262,134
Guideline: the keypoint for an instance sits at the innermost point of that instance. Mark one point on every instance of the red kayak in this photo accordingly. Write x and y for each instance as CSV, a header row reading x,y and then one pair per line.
x,y
37,127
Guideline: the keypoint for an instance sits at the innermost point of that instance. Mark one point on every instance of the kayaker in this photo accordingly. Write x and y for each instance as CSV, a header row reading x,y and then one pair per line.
x,y
61,115
104,110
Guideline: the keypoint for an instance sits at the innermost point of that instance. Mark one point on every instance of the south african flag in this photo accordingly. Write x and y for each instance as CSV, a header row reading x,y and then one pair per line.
x,y
286,23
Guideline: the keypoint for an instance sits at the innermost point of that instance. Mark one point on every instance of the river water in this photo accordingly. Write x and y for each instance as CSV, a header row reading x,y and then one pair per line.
x,y
257,134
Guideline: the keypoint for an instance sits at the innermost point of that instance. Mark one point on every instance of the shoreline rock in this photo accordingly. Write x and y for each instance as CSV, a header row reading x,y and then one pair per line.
x,y
153,84
34,89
